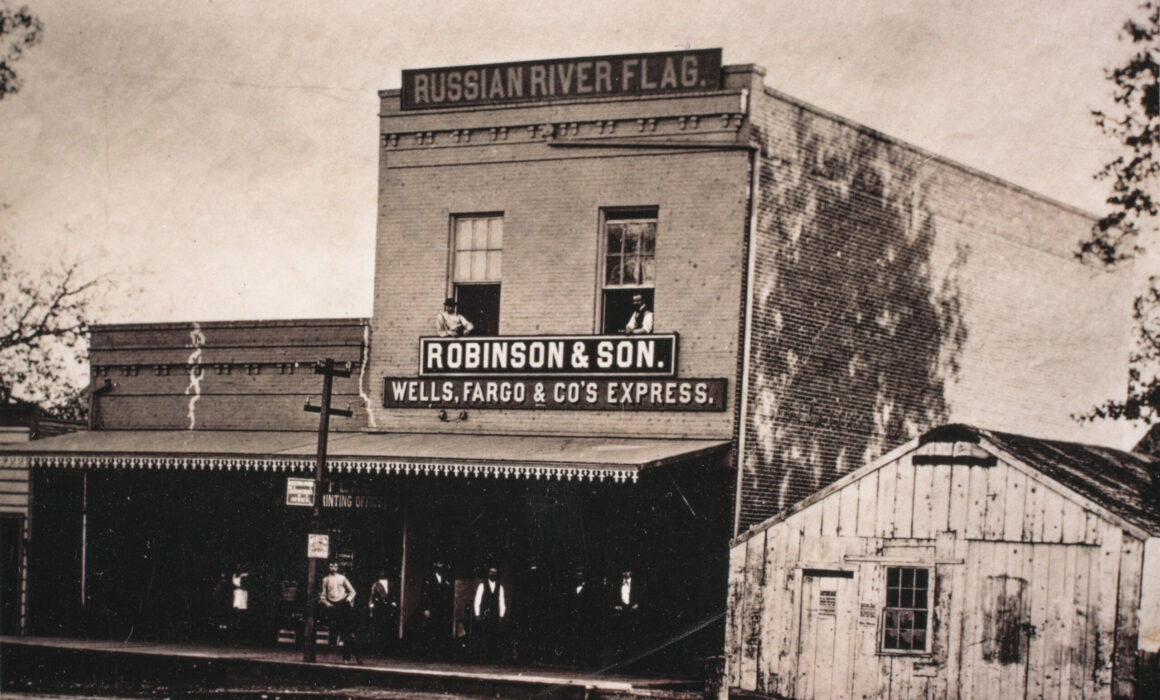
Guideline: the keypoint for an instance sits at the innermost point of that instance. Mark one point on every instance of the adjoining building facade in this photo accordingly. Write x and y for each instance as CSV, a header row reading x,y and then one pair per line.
x,y
20,421
966,563
820,293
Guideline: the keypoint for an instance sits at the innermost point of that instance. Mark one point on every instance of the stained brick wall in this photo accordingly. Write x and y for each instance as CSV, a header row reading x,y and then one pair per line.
x,y
894,291
224,376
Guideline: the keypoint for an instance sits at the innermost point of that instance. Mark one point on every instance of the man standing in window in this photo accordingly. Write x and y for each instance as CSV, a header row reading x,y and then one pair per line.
x,y
641,320
450,324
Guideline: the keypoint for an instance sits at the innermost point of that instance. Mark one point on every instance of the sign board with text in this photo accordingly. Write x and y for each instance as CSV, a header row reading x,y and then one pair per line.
x,y
299,492
318,546
550,356
560,394
593,76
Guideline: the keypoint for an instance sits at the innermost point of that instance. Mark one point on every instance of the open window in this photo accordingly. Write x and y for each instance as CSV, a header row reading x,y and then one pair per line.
x,y
629,245
477,265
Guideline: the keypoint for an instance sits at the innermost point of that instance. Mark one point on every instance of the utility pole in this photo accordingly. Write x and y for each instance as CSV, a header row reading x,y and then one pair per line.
x,y
328,371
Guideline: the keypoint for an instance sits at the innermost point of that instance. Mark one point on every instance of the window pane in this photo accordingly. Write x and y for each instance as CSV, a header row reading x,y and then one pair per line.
x,y
892,597
612,269
919,639
920,578
920,620
905,619
891,641
892,577
495,233
631,270
463,234
479,234
462,266
478,265
631,239
648,240
648,270
494,262
920,599
907,578
906,598
615,237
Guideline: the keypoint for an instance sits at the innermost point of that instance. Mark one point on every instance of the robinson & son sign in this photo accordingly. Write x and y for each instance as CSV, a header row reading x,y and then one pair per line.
x,y
499,83
553,372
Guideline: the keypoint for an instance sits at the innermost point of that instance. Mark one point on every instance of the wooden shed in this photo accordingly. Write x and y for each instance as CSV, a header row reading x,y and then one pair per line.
x,y
965,564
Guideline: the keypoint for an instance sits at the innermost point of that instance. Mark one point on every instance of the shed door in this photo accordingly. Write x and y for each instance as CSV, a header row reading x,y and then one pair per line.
x,y
1007,634
827,617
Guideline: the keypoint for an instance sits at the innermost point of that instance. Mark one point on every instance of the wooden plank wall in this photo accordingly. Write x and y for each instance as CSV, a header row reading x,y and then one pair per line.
x,y
1011,554
14,490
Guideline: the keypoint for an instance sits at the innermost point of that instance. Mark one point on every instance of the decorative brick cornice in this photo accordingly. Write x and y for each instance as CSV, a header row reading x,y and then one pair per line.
x,y
729,122
224,368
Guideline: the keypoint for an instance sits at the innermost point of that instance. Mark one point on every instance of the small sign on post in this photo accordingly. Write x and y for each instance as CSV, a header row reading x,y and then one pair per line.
x,y
299,492
318,546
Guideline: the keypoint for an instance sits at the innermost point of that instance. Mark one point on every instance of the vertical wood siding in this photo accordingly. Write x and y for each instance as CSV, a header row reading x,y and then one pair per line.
x,y
14,495
1032,594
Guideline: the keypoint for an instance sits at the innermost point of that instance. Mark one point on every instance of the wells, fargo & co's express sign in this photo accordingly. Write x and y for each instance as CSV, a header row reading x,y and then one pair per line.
x,y
497,83
561,394
555,355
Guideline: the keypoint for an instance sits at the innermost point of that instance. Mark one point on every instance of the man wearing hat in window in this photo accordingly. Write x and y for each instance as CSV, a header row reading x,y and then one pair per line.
x,y
450,324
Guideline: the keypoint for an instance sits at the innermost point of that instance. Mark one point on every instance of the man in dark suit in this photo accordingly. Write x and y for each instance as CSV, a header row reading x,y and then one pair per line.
x,y
582,625
429,629
627,610
383,608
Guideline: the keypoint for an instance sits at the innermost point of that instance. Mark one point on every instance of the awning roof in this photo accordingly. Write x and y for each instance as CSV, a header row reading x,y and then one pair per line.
x,y
595,458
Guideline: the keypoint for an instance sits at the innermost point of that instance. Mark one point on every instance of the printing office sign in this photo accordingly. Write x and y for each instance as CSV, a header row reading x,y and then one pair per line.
x,y
526,81
550,356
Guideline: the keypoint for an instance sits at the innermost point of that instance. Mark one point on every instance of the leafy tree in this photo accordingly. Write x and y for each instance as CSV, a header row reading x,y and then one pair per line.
x,y
19,30
44,322
1135,125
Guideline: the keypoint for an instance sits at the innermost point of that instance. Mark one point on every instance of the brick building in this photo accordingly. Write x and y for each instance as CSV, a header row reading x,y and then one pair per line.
x,y
822,292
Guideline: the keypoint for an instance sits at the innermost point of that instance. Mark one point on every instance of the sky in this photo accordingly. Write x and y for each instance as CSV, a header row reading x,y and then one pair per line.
x,y
220,158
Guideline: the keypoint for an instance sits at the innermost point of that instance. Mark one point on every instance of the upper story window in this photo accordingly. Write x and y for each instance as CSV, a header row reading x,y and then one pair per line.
x,y
476,269
629,244
906,618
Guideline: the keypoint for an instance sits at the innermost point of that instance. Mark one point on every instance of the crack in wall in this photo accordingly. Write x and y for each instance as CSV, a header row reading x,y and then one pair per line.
x,y
193,391
364,359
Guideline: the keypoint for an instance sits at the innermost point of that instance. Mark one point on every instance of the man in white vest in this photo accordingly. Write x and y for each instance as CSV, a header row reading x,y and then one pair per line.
x,y
490,608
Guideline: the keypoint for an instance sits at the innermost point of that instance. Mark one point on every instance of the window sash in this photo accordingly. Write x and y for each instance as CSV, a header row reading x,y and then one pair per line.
x,y
630,252
478,254
906,616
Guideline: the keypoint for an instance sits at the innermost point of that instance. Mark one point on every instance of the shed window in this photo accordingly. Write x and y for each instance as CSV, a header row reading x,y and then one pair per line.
x,y
906,618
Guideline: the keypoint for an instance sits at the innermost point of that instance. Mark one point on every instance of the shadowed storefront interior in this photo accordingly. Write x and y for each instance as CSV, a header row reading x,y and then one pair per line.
x,y
135,549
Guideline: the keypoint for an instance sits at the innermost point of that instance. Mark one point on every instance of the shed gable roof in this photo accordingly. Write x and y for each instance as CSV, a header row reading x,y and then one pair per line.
x,y
1126,484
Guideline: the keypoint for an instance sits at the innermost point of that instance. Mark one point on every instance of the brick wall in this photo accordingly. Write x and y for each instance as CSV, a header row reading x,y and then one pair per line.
x,y
894,291
551,198
224,376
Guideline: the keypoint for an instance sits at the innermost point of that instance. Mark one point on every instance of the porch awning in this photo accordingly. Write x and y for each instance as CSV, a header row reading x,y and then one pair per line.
x,y
435,454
